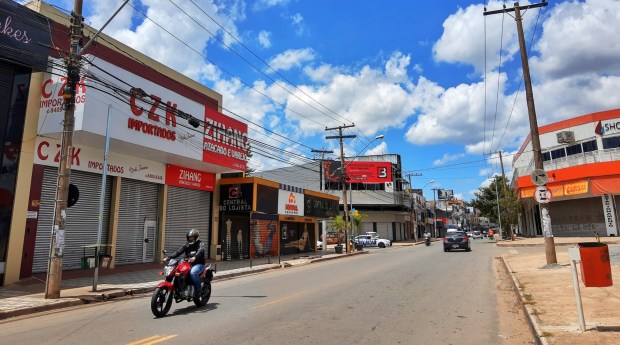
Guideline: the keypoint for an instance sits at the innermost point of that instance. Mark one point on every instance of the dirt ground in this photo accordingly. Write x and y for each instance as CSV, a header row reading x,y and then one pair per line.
x,y
549,295
513,327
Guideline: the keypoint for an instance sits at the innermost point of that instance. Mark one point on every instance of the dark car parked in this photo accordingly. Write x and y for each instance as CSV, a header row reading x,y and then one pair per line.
x,y
456,240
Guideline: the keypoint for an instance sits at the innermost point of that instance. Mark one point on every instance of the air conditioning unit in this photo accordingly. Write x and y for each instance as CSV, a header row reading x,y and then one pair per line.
x,y
565,137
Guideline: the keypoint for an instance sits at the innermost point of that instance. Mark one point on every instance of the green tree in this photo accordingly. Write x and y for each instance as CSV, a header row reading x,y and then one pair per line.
x,y
339,225
486,198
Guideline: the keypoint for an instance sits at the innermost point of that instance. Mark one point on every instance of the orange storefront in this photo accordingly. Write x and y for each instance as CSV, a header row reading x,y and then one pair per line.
x,y
583,173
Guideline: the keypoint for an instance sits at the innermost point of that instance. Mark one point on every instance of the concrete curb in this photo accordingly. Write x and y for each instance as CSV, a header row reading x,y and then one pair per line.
x,y
532,320
41,308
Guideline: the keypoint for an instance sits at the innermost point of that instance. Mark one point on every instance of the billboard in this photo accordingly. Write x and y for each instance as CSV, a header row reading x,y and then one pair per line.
x,y
359,172
445,194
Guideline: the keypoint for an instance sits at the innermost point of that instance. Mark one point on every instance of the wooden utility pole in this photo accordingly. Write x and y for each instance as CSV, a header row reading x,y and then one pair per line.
x,y
57,242
531,109
342,178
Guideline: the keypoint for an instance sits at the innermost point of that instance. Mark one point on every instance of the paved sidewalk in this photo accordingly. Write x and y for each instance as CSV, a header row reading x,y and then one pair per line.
x,y
547,295
28,296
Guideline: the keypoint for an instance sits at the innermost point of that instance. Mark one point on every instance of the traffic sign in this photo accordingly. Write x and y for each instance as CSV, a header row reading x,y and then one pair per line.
x,y
542,195
539,177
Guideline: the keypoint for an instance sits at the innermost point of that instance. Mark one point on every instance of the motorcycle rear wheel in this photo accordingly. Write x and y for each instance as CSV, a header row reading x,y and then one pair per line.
x,y
161,302
205,294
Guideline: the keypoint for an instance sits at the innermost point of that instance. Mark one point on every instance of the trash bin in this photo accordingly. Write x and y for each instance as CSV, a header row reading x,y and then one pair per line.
x,y
595,265
87,262
105,261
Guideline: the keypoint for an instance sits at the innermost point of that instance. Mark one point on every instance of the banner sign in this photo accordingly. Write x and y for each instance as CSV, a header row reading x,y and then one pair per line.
x,y
236,197
84,158
359,172
189,178
290,203
609,212
226,141
151,116
320,207
24,35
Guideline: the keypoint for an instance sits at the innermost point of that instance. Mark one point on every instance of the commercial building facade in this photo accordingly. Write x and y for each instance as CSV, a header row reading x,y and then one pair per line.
x,y
375,187
582,161
161,172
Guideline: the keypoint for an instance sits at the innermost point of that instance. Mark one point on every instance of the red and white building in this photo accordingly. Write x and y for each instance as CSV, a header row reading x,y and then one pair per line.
x,y
582,160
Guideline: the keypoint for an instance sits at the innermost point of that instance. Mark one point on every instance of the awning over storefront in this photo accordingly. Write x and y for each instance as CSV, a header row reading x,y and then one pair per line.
x,y
559,189
605,185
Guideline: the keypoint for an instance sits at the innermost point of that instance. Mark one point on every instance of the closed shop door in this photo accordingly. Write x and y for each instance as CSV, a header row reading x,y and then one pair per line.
x,y
137,222
187,209
82,218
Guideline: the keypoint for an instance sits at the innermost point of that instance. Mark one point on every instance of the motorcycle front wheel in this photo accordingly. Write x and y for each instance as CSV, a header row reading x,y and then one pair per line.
x,y
161,302
205,294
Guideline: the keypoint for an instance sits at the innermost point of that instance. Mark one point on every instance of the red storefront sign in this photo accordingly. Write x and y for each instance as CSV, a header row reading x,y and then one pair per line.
x,y
226,141
189,178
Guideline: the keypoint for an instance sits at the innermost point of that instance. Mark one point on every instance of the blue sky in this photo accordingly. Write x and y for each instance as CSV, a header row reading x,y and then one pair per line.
x,y
413,71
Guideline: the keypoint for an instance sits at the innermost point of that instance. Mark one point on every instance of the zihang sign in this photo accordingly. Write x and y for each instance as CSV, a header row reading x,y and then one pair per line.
x,y
226,141
189,178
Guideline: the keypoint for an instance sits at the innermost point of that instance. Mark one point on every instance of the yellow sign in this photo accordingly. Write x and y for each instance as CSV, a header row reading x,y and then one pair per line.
x,y
576,188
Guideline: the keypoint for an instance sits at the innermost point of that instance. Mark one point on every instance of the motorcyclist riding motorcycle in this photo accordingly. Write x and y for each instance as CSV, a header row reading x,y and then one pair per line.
x,y
427,238
197,260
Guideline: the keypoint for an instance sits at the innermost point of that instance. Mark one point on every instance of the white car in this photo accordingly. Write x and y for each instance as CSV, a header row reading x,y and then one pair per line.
x,y
371,241
476,234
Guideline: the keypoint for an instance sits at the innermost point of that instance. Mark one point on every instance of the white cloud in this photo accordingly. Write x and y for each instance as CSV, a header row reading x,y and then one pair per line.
x,y
323,73
380,149
448,158
263,4
462,41
291,58
297,20
264,38
373,98
579,38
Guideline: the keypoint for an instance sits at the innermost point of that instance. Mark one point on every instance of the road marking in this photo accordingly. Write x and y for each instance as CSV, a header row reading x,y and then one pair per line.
x,y
152,340
277,300
513,251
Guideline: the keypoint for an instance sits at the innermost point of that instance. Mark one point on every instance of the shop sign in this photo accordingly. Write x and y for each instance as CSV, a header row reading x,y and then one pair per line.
x,y
236,197
226,141
609,212
189,178
290,203
152,116
85,158
24,35
576,188
320,207
359,172
607,127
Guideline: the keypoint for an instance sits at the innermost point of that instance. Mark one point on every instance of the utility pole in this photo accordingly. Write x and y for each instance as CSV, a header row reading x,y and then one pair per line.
x,y
531,109
322,152
435,211
414,219
342,179
57,242
501,161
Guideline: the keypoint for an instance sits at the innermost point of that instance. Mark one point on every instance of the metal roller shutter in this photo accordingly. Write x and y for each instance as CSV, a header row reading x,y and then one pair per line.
x,y
82,218
187,209
138,206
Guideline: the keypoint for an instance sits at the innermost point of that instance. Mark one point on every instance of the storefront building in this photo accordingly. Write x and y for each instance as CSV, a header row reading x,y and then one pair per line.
x,y
375,187
582,160
25,38
162,170
264,218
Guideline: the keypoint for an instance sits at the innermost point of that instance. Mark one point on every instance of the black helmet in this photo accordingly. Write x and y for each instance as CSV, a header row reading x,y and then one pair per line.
x,y
192,233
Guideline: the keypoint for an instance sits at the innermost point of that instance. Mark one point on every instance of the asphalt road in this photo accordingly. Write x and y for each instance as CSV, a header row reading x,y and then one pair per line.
x,y
407,295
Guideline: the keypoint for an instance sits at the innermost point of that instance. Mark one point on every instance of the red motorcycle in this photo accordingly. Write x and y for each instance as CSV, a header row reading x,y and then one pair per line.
x,y
178,286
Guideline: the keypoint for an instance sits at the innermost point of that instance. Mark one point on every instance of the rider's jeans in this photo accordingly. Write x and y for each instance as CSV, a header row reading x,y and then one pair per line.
x,y
194,273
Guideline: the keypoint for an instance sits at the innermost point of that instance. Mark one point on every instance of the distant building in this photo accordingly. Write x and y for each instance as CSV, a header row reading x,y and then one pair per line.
x,y
582,161
375,187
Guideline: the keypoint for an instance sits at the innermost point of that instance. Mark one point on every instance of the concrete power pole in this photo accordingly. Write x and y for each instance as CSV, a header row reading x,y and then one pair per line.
x,y
342,177
57,242
322,152
531,109
501,162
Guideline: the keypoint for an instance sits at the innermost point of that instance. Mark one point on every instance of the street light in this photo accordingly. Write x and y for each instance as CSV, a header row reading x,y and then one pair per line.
x,y
344,190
